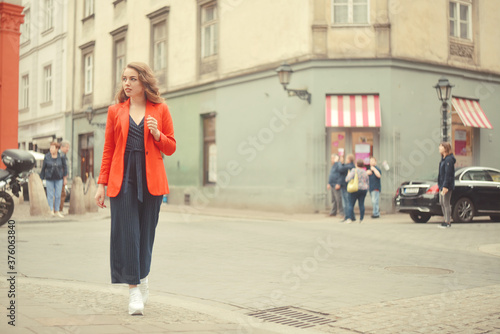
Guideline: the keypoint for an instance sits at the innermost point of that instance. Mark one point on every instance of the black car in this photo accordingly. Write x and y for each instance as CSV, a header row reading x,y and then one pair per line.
x,y
477,193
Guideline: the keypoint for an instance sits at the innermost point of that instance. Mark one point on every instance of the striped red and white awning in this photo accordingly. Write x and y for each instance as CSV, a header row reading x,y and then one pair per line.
x,y
353,111
470,113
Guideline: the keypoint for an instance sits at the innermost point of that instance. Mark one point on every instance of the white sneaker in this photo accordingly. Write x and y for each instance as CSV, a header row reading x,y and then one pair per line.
x,y
59,214
52,213
135,306
348,221
144,290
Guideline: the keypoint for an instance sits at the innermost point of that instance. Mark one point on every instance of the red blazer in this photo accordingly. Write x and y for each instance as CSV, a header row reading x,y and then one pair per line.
x,y
112,165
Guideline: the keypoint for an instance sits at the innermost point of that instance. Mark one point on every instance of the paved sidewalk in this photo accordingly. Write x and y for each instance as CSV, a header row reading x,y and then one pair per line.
x,y
70,306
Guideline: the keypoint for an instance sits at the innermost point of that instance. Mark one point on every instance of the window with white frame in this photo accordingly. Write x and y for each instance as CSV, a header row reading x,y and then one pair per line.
x,y
350,12
25,27
49,14
119,54
47,83
160,45
119,59
460,20
88,73
25,91
88,8
209,30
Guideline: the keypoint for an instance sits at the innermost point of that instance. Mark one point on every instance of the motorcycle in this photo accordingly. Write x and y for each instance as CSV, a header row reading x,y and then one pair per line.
x,y
17,162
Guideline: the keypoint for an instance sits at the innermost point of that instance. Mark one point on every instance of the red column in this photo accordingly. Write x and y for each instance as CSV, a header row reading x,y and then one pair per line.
x,y
10,21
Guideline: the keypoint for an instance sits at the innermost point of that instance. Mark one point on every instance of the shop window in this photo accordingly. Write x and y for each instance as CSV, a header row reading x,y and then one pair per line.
x,y
462,138
86,149
360,143
338,143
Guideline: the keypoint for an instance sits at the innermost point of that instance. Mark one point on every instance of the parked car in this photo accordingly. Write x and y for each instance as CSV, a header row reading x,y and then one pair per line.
x,y
477,193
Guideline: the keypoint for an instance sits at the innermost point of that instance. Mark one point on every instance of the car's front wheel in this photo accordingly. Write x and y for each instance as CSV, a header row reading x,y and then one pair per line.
x,y
419,217
463,211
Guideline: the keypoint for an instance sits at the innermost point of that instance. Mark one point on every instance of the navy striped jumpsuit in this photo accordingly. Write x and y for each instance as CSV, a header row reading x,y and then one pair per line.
x,y
134,215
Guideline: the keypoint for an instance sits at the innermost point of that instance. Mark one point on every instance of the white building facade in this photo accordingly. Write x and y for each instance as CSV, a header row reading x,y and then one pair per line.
x,y
43,116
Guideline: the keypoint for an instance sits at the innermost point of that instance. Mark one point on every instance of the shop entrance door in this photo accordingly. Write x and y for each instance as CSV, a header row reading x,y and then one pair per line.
x,y
86,149
361,142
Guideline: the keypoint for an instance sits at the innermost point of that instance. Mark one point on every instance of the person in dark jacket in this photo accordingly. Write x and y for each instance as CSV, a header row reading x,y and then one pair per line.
x,y
54,169
374,175
446,181
343,170
334,181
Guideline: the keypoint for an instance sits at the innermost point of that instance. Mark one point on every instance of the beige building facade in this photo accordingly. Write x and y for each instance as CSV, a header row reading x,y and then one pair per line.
x,y
242,141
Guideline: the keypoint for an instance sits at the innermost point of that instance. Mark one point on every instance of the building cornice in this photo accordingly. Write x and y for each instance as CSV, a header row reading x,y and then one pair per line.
x,y
158,12
306,63
42,46
43,119
87,45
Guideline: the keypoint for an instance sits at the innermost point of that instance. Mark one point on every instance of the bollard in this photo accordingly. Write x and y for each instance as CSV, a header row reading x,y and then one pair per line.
x,y
77,201
38,199
90,190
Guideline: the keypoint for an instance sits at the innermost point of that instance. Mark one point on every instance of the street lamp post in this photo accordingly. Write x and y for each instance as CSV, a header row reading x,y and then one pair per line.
x,y
89,113
443,89
284,74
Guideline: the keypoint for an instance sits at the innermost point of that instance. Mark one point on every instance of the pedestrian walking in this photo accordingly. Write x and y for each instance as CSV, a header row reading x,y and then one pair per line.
x,y
334,182
64,151
138,130
344,170
374,176
446,181
358,195
54,171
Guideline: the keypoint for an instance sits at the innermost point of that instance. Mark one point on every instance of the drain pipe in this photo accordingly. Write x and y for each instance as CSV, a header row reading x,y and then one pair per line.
x,y
73,93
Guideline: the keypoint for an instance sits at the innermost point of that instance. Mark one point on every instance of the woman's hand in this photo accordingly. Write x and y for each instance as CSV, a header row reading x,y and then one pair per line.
x,y
99,196
444,191
153,127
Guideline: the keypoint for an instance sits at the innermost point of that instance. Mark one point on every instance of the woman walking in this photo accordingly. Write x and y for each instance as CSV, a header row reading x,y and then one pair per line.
x,y
446,181
54,171
358,195
138,130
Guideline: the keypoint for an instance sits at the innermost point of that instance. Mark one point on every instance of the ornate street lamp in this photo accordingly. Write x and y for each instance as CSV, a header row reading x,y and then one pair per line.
x,y
89,114
443,89
284,74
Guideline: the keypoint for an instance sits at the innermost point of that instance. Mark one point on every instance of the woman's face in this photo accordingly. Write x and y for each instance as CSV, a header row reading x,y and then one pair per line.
x,y
53,149
131,84
441,149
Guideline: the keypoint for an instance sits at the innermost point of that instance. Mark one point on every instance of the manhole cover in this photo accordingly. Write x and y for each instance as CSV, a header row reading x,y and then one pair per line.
x,y
419,270
293,316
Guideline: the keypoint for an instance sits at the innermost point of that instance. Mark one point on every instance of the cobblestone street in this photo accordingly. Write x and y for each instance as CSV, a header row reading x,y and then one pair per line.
x,y
212,268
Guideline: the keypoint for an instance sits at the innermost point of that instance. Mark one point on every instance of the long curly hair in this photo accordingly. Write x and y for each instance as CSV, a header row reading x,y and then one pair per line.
x,y
148,81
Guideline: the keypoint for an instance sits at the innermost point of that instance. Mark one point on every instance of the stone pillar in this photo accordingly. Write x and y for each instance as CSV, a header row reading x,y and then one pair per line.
x,y
10,21
76,201
39,206
90,190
